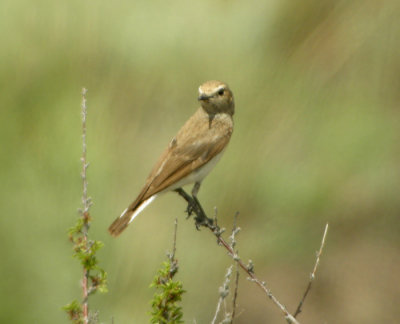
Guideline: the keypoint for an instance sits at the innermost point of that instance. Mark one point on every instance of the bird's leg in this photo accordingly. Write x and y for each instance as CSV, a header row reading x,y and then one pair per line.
x,y
195,191
195,207
191,203
201,217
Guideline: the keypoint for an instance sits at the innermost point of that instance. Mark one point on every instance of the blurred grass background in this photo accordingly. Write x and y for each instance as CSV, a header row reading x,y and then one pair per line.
x,y
316,140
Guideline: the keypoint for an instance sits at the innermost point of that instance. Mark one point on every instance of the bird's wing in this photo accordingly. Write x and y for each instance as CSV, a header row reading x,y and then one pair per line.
x,y
188,151
180,160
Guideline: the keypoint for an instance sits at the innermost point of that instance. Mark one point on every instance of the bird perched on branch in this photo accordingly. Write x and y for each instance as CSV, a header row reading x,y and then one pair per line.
x,y
191,154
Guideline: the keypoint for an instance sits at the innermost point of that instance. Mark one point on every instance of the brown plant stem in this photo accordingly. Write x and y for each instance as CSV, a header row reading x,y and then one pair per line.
x,y
85,210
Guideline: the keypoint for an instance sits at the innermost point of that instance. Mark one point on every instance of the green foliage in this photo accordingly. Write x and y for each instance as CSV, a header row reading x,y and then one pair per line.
x,y
74,311
85,251
164,305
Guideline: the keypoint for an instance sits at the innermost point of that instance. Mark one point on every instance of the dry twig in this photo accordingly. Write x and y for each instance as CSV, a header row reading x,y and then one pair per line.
x,y
224,290
202,220
235,293
235,230
312,275
223,293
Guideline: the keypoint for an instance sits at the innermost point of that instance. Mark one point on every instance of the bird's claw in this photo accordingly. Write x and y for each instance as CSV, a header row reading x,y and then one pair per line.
x,y
190,208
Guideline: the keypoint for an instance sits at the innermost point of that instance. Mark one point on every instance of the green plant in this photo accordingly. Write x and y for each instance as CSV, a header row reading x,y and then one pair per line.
x,y
94,277
165,302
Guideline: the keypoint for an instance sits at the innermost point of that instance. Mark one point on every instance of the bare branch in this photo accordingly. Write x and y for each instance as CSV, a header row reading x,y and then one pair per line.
x,y
312,275
235,230
172,256
235,293
202,220
223,293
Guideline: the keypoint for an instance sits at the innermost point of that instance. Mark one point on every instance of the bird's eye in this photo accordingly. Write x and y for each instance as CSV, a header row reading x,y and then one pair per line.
x,y
221,92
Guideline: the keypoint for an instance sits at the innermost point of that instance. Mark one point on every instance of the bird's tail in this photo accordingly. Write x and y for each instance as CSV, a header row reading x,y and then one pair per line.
x,y
128,215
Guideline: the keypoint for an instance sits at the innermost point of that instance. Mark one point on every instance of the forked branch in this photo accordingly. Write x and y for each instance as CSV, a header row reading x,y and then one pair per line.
x,y
202,220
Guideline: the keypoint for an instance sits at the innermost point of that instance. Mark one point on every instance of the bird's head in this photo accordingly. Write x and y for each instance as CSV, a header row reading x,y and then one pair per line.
x,y
216,97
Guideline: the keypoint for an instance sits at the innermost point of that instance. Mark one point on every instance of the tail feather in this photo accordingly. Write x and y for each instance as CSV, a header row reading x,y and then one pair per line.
x,y
127,216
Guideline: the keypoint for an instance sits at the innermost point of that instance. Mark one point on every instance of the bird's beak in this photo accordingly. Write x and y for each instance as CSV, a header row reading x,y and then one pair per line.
x,y
203,96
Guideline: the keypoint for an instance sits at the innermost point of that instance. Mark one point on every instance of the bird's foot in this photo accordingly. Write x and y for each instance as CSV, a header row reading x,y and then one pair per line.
x,y
202,220
191,208
194,207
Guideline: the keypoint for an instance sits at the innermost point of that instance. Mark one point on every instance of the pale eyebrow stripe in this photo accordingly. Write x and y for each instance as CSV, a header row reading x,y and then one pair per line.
x,y
215,91
220,88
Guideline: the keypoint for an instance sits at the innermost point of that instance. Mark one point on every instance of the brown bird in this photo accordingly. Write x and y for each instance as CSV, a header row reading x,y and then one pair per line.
x,y
191,154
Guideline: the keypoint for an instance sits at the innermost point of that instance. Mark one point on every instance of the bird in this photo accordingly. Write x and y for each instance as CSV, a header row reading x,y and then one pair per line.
x,y
191,154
